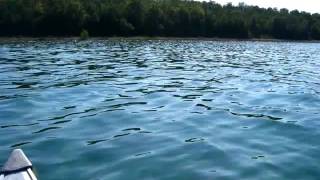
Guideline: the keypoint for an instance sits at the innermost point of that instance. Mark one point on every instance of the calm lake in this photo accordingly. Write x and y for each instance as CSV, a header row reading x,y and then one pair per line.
x,y
162,109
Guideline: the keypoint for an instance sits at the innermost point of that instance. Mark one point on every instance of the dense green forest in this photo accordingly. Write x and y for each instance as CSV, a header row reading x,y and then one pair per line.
x,y
172,18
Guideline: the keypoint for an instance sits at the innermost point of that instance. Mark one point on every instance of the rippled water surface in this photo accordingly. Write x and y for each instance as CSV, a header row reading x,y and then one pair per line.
x,y
162,109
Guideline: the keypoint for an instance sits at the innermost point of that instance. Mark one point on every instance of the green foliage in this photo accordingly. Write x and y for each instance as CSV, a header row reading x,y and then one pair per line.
x,y
181,18
154,22
84,34
315,31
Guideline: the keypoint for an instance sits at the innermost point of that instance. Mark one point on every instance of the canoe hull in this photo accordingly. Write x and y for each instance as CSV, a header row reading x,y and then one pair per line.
x,y
18,167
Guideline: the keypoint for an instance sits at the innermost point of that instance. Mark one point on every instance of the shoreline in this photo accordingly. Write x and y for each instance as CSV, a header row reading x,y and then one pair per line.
x,y
25,38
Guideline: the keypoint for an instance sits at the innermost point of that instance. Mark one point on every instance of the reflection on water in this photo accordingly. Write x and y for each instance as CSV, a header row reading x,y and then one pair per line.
x,y
120,109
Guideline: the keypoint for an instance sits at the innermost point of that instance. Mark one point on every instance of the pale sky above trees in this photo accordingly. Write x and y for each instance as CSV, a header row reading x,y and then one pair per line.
x,y
312,6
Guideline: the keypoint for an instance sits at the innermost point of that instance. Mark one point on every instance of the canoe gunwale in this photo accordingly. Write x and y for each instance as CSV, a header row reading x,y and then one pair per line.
x,y
15,171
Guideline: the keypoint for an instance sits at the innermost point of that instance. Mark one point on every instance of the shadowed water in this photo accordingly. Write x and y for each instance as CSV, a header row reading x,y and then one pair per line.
x,y
162,109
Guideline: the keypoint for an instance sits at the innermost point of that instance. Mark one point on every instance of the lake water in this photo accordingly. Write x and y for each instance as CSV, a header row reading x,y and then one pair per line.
x,y
167,109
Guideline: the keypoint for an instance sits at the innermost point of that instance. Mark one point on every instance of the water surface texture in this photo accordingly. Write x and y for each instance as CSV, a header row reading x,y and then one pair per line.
x,y
169,110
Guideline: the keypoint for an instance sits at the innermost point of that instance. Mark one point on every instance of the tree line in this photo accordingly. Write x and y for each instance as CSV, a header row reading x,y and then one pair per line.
x,y
172,18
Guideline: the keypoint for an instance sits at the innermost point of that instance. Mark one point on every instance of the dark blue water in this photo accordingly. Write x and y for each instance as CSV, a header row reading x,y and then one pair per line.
x,y
162,109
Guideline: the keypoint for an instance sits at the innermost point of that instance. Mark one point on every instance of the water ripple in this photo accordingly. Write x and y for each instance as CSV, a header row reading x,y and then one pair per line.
x,y
162,109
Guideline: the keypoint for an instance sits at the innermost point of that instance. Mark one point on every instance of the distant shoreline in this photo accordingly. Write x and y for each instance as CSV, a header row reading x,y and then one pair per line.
x,y
177,19
12,39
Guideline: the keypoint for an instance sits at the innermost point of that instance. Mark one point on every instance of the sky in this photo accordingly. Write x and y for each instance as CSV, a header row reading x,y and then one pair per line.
x,y
312,6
